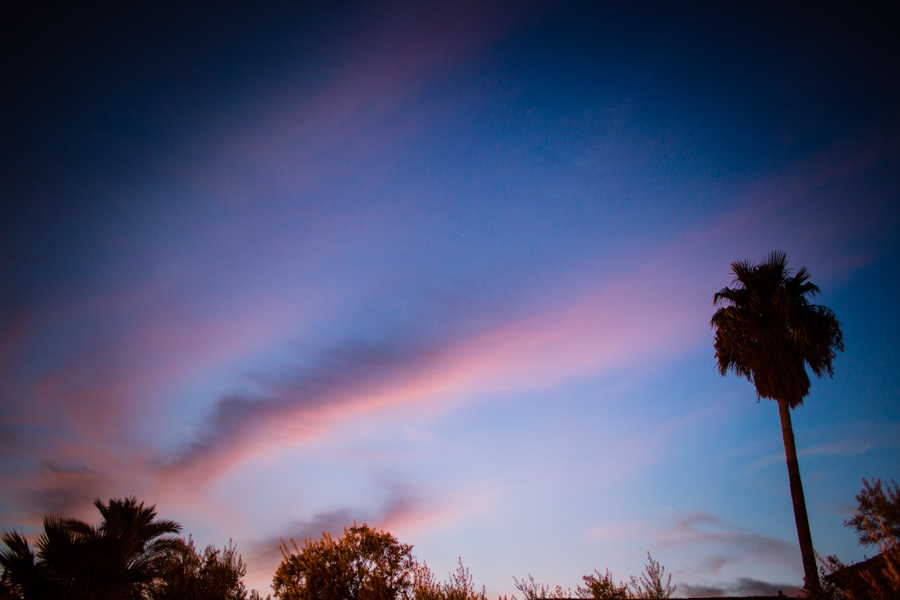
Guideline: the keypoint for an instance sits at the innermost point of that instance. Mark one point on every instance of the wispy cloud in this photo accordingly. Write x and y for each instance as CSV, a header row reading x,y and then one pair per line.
x,y
402,508
66,489
849,443
267,553
724,544
344,380
743,586
705,548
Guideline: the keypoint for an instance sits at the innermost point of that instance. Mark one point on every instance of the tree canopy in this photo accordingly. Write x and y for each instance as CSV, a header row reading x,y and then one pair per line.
x,y
364,564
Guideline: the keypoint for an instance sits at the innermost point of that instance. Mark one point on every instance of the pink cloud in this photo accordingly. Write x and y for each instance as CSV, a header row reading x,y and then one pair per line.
x,y
620,324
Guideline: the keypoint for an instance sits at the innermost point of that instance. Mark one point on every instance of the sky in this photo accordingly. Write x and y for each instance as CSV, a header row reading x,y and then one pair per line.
x,y
445,268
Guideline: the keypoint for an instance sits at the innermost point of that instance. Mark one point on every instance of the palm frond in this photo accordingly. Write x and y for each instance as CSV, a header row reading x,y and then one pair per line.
x,y
17,551
767,331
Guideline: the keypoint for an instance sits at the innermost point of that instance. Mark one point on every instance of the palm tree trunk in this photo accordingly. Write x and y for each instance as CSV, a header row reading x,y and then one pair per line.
x,y
806,547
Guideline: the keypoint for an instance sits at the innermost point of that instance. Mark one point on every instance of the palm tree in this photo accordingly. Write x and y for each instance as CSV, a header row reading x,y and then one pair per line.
x,y
767,331
117,559
124,553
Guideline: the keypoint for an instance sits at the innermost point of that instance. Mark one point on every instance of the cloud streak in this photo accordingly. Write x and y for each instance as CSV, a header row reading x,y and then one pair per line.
x,y
403,507
742,586
729,545
613,327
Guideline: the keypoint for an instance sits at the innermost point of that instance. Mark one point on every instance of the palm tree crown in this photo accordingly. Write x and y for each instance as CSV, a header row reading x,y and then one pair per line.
x,y
767,330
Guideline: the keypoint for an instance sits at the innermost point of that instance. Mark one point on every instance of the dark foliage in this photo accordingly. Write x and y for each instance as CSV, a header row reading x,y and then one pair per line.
x,y
190,575
877,520
602,587
117,559
767,330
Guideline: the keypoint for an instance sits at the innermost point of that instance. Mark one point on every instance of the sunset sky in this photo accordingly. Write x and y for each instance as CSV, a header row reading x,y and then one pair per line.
x,y
445,268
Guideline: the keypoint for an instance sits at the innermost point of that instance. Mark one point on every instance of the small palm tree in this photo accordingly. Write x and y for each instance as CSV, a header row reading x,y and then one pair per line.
x,y
767,331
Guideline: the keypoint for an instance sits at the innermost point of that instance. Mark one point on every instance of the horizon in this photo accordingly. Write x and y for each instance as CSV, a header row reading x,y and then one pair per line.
x,y
445,269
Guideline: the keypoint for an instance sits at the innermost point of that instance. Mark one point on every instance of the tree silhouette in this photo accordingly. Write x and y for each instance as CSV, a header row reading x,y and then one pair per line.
x,y
76,560
191,575
767,331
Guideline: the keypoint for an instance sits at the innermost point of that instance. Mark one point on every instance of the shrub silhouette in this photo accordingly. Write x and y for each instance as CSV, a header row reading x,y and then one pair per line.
x,y
531,590
650,584
602,587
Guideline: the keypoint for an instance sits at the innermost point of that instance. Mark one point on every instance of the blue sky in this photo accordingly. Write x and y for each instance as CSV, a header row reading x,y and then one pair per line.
x,y
446,269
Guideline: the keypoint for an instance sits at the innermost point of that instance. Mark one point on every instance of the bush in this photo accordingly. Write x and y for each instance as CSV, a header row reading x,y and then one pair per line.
x,y
602,587
458,587
536,591
650,585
